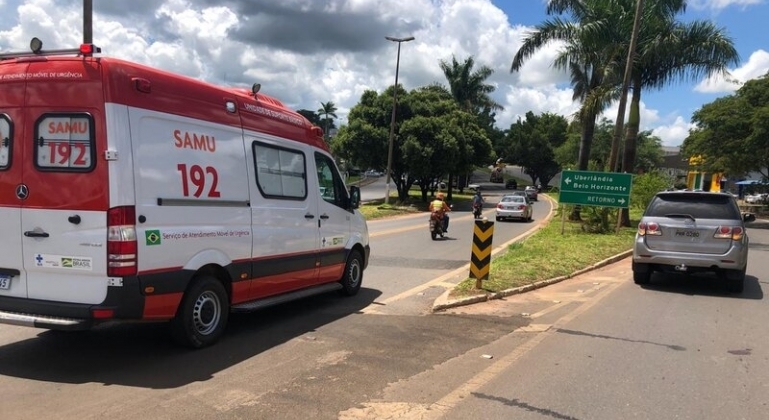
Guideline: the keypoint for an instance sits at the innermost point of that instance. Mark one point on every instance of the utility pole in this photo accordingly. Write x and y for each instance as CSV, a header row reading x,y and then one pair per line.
x,y
392,116
619,125
87,21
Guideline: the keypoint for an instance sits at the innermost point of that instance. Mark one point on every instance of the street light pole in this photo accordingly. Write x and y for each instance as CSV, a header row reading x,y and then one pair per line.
x,y
392,118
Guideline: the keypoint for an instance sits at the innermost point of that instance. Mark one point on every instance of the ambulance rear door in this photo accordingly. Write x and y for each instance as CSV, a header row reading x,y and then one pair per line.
x,y
12,276
64,173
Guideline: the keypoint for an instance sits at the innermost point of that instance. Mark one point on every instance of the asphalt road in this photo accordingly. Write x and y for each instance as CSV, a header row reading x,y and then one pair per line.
x,y
599,347
592,347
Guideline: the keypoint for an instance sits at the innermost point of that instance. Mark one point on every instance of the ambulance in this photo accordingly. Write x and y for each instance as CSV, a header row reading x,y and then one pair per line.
x,y
131,193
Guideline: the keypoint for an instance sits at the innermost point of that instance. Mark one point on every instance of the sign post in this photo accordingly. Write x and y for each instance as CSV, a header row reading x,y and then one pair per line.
x,y
600,189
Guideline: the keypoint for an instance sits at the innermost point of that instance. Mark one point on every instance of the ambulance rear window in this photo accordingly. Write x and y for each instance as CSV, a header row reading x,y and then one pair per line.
x,y
6,141
65,142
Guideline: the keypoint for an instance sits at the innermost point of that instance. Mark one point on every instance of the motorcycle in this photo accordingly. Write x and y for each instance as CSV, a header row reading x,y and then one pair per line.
x,y
477,210
436,225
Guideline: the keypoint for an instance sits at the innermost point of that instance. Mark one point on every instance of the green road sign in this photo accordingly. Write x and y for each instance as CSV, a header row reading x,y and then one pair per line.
x,y
603,189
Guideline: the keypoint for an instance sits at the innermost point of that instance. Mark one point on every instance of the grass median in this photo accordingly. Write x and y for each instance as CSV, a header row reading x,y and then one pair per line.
x,y
546,254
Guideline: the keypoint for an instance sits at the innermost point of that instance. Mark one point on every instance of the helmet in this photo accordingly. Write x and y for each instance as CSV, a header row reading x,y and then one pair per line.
x,y
439,196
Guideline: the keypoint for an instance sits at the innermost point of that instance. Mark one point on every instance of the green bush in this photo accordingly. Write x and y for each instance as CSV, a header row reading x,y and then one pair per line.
x,y
645,186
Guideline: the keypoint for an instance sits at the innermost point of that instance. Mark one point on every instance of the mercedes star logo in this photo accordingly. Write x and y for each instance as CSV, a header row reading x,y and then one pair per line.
x,y
22,191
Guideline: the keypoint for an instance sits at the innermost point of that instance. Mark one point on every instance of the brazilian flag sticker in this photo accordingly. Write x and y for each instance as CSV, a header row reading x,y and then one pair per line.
x,y
152,237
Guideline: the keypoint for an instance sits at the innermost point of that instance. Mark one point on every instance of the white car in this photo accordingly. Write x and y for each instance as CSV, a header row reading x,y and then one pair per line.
x,y
514,207
757,198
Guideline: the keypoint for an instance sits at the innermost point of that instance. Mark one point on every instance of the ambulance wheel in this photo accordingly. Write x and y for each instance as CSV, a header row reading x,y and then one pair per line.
x,y
202,315
353,275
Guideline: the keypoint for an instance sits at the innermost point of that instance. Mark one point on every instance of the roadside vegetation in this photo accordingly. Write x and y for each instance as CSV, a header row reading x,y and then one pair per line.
x,y
413,204
548,253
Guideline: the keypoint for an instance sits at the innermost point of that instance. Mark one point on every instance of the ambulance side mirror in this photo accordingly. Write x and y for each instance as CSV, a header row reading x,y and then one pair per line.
x,y
354,197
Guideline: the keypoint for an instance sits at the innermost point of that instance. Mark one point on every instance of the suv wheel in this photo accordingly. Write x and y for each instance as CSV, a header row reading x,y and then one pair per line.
x,y
735,280
642,273
642,278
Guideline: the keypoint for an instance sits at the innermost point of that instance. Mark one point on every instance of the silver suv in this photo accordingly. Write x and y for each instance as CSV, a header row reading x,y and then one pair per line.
x,y
688,232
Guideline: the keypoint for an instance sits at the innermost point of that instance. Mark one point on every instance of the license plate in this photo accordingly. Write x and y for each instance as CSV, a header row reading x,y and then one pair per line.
x,y
687,233
5,282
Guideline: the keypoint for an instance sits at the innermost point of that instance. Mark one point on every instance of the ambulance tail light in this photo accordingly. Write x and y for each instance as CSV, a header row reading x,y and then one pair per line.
x,y
89,49
122,246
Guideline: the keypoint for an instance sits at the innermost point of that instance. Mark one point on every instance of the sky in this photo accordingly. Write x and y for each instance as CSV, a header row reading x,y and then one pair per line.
x,y
304,52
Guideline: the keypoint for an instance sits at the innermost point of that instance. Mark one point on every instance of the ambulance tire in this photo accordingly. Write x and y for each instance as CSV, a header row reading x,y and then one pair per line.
x,y
202,316
353,275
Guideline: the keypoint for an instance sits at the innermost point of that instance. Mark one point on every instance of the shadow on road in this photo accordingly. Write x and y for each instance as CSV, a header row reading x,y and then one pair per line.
x,y
702,284
142,355
758,224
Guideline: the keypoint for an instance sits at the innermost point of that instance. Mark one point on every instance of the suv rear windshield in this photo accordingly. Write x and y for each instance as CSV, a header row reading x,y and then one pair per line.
x,y
698,205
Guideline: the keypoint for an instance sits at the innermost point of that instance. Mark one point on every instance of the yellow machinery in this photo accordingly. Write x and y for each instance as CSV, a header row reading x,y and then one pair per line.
x,y
705,181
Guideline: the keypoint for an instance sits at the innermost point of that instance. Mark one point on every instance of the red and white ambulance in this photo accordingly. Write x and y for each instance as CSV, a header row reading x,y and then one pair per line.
x,y
131,193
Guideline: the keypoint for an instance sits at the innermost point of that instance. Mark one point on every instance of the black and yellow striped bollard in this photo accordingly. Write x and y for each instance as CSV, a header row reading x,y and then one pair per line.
x,y
480,260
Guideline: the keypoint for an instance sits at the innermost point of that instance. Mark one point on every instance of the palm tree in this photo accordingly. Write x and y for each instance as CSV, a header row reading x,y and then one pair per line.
x,y
584,55
470,91
328,110
667,50
468,87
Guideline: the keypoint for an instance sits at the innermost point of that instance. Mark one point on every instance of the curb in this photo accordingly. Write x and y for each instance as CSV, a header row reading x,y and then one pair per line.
x,y
443,302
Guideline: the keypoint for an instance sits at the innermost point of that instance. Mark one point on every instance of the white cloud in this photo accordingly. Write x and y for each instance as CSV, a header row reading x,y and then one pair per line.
x,y
308,52
520,100
673,134
722,4
756,66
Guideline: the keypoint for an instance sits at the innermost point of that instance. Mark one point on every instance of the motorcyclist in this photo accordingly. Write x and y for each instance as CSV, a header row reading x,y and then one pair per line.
x,y
478,200
441,208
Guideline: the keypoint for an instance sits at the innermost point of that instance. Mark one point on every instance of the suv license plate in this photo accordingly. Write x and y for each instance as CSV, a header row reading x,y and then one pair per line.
x,y
687,233
5,282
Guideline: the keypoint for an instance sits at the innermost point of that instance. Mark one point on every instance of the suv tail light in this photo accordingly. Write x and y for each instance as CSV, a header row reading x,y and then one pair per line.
x,y
650,228
734,233
122,246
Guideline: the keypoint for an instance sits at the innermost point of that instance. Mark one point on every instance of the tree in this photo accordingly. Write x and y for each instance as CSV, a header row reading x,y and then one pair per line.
x,y
670,51
363,141
328,110
732,133
311,116
649,153
531,144
583,55
469,89
433,136
667,50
